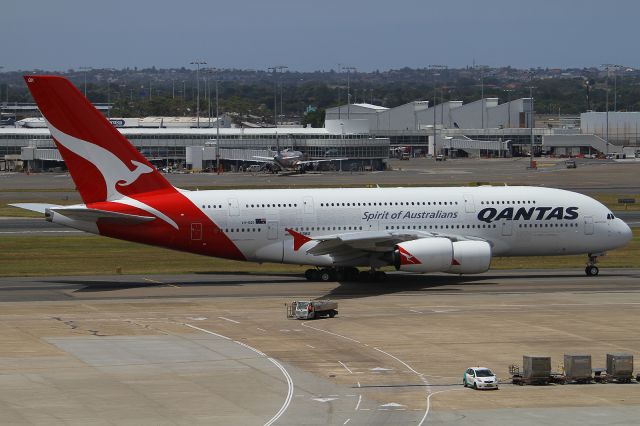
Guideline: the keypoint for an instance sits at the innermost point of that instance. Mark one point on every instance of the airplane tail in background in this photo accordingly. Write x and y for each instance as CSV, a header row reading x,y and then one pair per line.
x,y
104,165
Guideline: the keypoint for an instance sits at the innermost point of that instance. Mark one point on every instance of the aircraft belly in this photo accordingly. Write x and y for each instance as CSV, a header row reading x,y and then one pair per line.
x,y
264,251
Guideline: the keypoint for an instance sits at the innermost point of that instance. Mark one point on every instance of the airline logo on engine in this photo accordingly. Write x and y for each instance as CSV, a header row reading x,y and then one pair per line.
x,y
407,258
490,214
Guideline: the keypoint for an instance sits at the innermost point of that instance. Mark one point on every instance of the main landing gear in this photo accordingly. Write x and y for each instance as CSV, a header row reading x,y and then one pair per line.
x,y
592,270
344,274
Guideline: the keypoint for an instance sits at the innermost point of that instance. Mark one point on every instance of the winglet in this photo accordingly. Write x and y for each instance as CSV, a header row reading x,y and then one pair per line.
x,y
298,239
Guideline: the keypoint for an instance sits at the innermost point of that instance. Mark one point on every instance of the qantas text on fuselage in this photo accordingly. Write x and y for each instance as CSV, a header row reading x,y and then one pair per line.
x,y
453,230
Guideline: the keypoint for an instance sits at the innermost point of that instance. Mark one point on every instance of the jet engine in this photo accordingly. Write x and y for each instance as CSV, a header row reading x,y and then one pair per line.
x,y
441,255
423,255
470,257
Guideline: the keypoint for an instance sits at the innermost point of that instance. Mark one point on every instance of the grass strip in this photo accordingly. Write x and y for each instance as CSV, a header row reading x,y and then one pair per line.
x,y
94,255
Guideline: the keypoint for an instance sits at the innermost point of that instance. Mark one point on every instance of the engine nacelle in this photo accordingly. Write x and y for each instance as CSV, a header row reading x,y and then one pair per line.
x,y
424,255
470,257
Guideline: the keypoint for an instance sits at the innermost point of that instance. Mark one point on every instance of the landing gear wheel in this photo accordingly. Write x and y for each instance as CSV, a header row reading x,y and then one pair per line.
x,y
591,270
311,274
327,275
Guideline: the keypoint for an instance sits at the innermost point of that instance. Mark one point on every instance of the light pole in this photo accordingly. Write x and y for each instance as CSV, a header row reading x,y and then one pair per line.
x,y
482,69
1,68
434,74
109,98
85,69
197,64
217,132
531,165
348,70
275,70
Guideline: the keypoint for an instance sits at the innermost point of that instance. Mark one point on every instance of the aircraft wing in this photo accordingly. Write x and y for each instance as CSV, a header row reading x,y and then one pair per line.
x,y
351,245
320,161
261,159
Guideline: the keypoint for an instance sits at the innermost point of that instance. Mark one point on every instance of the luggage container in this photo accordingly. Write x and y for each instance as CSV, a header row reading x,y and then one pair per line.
x,y
620,367
536,369
577,368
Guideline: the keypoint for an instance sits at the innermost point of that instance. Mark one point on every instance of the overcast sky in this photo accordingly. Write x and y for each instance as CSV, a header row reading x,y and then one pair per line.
x,y
317,35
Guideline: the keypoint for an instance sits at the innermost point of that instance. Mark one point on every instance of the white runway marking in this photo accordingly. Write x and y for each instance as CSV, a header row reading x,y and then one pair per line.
x,y
345,367
250,348
304,324
289,396
287,400
207,331
346,421
429,402
422,376
230,320
359,399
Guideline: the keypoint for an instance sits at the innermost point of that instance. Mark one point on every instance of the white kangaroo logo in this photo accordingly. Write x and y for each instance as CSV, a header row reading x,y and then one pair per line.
x,y
115,173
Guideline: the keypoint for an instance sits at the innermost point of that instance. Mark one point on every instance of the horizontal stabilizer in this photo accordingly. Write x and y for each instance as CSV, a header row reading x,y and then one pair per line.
x,y
35,207
92,215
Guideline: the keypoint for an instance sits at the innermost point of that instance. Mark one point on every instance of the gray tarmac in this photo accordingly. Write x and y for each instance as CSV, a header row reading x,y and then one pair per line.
x,y
217,349
590,176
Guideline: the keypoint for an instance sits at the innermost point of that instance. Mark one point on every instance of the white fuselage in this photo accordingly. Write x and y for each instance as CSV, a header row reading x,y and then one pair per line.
x,y
516,221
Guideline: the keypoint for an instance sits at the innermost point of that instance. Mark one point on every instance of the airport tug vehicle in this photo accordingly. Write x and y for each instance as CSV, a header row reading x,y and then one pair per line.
x,y
311,309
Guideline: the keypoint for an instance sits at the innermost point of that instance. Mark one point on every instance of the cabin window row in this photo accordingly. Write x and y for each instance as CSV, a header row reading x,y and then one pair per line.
x,y
390,203
243,230
328,228
254,206
508,202
438,226
548,225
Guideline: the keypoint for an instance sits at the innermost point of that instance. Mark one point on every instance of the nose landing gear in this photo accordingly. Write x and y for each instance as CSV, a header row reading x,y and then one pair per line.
x,y
592,270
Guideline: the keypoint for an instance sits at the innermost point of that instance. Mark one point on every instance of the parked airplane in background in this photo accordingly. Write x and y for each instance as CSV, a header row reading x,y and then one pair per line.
x,y
291,160
454,230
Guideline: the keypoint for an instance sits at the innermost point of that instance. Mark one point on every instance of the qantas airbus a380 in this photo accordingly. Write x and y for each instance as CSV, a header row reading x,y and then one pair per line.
x,y
455,230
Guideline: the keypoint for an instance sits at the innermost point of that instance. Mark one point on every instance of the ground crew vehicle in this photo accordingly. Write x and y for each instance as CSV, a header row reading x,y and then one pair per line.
x,y
310,309
479,378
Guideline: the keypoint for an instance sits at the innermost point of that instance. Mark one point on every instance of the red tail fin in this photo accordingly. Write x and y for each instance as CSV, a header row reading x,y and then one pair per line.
x,y
103,164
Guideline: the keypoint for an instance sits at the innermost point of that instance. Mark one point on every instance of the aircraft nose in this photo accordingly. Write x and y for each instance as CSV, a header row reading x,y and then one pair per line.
x,y
624,231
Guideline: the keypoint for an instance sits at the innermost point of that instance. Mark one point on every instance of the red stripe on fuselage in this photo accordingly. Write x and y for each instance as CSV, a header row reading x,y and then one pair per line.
x,y
212,240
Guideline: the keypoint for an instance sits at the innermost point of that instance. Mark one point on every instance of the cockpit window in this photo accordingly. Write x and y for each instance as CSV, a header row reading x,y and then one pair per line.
x,y
610,216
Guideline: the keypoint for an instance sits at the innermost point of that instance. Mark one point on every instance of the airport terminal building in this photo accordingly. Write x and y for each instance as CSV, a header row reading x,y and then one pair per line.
x,y
195,148
489,128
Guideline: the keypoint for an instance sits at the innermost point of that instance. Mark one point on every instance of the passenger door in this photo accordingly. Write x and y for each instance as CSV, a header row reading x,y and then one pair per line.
x,y
469,205
232,204
588,225
196,231
272,229
308,205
